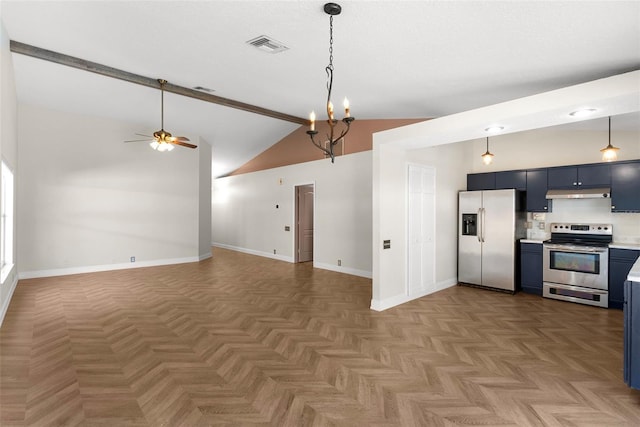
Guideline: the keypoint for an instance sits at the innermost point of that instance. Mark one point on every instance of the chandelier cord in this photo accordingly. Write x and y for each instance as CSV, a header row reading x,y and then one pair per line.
x,y
329,68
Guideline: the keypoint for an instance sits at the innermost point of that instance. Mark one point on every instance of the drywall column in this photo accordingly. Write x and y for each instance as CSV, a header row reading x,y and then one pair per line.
x,y
204,198
389,223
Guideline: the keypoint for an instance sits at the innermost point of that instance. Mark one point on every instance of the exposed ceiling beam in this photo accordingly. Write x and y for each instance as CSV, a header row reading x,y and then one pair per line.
x,y
81,64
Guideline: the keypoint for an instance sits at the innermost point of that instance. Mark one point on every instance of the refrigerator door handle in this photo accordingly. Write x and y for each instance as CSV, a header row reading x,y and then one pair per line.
x,y
479,234
483,223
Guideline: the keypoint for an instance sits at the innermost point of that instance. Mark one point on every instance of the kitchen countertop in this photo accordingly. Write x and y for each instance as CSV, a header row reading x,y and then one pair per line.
x,y
531,241
634,274
620,245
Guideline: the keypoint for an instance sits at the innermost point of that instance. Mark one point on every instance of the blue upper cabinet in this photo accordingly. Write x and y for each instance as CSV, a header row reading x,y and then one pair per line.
x,y
537,191
625,187
586,176
511,179
481,181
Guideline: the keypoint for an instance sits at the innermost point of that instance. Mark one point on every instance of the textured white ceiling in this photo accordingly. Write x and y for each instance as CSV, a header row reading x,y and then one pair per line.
x,y
402,59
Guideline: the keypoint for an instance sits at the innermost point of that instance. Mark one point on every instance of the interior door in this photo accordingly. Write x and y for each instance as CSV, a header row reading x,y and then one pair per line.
x,y
304,222
421,229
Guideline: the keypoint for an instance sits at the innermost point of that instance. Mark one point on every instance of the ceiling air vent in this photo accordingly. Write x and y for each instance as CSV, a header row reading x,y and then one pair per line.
x,y
267,44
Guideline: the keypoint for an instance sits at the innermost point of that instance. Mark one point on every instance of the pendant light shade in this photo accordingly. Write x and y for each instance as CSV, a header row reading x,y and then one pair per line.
x,y
487,157
609,153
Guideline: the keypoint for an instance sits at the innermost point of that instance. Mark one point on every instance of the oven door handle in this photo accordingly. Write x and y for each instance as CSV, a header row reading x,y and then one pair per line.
x,y
577,249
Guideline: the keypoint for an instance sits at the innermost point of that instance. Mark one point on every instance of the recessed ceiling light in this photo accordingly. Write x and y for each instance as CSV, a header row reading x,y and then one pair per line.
x,y
494,129
584,112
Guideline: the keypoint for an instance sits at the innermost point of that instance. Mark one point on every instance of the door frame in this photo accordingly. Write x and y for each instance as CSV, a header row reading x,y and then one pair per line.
x,y
296,230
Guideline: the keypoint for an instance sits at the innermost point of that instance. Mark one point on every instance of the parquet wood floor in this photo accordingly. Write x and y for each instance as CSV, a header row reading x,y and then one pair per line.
x,y
244,340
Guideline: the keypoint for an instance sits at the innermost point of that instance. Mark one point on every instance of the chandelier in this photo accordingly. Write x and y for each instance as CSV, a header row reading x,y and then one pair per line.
x,y
330,9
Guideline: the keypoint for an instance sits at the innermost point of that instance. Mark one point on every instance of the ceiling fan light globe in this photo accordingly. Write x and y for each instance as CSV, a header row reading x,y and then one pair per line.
x,y
170,147
154,145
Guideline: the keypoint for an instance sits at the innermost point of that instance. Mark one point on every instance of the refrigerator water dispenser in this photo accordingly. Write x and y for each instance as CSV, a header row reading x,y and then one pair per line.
x,y
469,222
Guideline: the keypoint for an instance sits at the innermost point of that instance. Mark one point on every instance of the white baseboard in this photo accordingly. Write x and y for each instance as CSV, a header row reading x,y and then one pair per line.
x,y
107,267
253,252
5,303
202,257
387,303
345,270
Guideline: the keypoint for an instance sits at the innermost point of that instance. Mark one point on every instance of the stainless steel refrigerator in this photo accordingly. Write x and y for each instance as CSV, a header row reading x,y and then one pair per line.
x,y
489,226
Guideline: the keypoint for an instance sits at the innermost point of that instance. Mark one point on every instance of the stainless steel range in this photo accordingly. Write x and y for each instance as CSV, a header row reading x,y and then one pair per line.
x,y
576,263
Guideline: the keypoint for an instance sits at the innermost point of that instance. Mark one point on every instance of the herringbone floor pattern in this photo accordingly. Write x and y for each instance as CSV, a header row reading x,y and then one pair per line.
x,y
244,340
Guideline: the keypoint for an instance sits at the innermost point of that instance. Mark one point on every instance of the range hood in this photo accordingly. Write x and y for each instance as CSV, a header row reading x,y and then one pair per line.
x,y
579,193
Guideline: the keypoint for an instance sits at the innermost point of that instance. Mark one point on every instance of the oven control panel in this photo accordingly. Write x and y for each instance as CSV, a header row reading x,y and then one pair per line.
x,y
601,229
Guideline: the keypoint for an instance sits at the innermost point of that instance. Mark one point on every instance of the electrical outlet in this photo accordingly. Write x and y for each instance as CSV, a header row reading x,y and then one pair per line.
x,y
133,259
541,225
339,262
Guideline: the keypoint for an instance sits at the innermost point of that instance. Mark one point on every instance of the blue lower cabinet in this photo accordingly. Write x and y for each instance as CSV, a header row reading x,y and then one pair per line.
x,y
632,334
620,263
531,268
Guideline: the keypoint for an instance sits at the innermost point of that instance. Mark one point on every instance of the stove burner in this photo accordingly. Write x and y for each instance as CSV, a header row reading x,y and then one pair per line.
x,y
596,235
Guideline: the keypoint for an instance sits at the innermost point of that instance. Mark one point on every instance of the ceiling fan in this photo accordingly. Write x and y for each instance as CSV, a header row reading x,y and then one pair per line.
x,y
163,140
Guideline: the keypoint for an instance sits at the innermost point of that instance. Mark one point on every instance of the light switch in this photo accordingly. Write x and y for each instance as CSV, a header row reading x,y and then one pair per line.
x,y
386,244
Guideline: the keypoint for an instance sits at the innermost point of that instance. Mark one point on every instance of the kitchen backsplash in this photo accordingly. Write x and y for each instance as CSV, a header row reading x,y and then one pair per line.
x,y
626,226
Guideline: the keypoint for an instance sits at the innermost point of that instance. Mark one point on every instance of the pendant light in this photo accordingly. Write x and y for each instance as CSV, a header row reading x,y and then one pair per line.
x,y
609,153
487,157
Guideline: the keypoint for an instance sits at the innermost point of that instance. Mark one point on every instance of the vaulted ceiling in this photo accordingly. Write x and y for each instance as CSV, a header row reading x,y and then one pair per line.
x,y
402,59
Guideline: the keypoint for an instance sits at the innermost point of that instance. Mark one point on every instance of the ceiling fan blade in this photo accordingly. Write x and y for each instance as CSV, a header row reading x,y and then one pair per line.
x,y
182,138
184,144
139,140
141,134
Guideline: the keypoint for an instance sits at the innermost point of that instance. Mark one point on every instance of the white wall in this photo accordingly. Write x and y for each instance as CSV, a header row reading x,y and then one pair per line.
x,y
553,146
88,202
8,149
245,217
390,185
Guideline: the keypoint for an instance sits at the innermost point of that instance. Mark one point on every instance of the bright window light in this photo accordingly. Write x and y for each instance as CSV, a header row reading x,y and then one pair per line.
x,y
6,222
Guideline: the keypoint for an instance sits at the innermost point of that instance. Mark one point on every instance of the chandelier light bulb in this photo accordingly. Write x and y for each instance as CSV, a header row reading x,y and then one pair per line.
x,y
346,107
312,120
